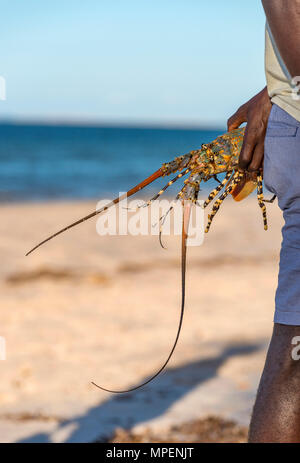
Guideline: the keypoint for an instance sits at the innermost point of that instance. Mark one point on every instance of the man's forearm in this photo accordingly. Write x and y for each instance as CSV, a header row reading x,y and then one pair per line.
x,y
284,20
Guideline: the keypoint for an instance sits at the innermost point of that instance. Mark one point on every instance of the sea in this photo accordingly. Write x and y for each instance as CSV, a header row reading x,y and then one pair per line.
x,y
65,162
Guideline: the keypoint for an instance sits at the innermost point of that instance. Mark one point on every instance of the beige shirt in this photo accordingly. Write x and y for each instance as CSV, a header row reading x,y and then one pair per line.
x,y
279,80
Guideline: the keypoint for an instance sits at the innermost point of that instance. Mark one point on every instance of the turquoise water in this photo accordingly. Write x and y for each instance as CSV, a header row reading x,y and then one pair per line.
x,y
70,162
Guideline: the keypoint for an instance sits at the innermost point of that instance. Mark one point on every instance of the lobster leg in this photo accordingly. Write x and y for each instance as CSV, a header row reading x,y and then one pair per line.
x,y
197,189
164,217
270,201
162,220
182,174
214,192
189,192
261,203
236,179
216,178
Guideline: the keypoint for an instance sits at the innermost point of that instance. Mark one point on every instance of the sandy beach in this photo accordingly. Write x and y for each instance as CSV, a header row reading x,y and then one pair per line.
x,y
105,309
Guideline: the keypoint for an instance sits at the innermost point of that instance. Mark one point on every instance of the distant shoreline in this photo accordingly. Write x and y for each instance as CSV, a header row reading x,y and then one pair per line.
x,y
134,125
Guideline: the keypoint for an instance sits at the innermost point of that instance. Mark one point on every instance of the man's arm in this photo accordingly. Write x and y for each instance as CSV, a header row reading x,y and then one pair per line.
x,y
284,20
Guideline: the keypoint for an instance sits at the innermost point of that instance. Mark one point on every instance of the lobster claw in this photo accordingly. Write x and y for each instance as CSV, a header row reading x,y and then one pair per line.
x,y
245,187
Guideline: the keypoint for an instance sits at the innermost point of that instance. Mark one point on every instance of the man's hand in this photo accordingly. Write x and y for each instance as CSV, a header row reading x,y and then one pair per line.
x,y
256,113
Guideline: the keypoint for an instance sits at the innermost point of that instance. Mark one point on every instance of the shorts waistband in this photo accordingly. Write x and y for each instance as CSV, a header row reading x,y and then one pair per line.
x,y
280,115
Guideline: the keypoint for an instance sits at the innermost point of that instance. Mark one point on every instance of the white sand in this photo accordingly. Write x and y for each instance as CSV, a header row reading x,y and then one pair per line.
x,y
106,309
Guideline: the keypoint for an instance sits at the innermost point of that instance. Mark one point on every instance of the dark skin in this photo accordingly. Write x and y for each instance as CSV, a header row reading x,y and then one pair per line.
x,y
256,113
284,20
276,413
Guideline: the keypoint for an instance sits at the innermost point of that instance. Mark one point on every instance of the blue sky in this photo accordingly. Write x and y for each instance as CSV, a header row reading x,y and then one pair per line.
x,y
167,61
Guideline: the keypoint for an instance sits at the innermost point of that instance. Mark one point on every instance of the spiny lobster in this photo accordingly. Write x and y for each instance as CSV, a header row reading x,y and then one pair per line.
x,y
217,157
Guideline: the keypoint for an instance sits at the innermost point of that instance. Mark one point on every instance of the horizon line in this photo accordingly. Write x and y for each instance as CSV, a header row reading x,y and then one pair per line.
x,y
130,124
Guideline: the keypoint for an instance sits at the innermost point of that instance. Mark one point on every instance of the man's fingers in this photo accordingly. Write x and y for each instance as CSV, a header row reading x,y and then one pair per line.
x,y
257,158
255,112
236,120
247,150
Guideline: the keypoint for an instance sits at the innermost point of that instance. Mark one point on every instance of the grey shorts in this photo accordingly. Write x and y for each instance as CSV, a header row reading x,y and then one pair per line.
x,y
282,177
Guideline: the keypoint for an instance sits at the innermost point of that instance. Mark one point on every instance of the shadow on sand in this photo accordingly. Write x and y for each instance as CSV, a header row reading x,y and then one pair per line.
x,y
127,410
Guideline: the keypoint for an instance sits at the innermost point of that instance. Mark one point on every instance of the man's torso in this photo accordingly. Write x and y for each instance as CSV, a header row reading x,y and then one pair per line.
x,y
279,80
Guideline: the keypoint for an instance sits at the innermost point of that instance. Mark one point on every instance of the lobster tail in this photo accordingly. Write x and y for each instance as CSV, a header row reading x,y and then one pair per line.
x,y
140,186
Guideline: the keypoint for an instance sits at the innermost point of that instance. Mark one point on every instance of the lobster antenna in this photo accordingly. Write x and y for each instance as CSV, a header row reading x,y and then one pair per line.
x,y
185,225
131,192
